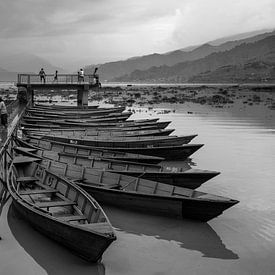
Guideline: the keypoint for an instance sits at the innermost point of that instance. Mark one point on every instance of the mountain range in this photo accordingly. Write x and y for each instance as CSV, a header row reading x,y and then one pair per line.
x,y
117,71
261,51
10,65
246,56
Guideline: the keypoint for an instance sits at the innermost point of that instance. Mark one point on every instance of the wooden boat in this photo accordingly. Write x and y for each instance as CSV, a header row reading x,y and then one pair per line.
x,y
121,142
76,113
180,152
109,125
91,152
91,132
57,117
165,152
49,128
184,177
121,117
64,107
60,209
140,194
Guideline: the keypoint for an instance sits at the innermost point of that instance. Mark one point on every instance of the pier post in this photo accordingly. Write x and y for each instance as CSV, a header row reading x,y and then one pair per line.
x,y
82,96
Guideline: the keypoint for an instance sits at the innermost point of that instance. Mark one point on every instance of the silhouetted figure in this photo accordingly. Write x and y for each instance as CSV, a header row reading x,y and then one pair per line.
x,y
81,75
78,76
42,76
55,79
96,78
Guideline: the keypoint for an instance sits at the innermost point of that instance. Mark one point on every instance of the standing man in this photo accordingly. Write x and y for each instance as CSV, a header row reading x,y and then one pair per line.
x,y
81,74
4,114
42,76
55,79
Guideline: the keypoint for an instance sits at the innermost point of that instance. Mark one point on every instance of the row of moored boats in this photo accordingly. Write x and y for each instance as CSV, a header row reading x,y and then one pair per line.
x,y
71,159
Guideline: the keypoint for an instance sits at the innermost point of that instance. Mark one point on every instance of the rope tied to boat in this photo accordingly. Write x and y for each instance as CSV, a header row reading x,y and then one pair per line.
x,y
141,175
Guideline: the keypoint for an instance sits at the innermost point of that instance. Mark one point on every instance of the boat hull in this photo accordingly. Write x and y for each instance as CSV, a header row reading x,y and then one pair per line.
x,y
164,206
88,246
186,180
121,142
168,153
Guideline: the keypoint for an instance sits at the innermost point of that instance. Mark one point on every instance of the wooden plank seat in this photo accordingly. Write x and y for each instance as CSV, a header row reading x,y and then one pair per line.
x,y
26,179
102,227
38,191
54,204
72,218
23,159
25,149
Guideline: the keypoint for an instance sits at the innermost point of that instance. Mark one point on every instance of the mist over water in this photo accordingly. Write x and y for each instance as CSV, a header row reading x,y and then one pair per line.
x,y
239,143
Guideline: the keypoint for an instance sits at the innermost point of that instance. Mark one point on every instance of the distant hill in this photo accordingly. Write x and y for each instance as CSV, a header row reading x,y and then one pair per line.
x,y
253,71
239,36
111,70
7,76
27,63
262,50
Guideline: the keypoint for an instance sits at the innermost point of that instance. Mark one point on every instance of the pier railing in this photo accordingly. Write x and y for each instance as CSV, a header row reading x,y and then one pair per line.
x,y
61,79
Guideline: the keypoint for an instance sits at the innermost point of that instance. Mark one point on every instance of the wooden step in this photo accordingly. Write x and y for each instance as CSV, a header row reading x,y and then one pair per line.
x,y
38,191
54,204
72,218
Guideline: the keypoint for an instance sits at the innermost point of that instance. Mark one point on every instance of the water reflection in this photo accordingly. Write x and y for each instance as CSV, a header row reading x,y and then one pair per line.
x,y
188,234
54,258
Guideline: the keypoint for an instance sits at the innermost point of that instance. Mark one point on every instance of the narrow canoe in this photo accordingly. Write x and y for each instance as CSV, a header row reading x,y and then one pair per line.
x,y
90,132
120,142
64,107
141,194
91,152
184,177
57,119
114,125
165,152
83,114
74,119
60,209
49,128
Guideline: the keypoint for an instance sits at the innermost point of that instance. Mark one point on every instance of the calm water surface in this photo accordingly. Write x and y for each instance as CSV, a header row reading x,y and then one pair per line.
x,y
240,143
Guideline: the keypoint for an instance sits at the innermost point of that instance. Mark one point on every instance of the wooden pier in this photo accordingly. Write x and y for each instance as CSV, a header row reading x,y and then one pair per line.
x,y
31,83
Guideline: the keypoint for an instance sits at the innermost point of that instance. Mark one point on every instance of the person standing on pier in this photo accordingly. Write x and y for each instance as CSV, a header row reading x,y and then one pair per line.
x,y
55,79
42,76
81,74
4,113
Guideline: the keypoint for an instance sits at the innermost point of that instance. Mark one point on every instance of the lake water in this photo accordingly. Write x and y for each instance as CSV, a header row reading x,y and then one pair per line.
x,y
240,143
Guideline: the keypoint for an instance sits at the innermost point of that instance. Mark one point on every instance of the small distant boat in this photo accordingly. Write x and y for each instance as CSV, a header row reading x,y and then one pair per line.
x,y
60,209
140,194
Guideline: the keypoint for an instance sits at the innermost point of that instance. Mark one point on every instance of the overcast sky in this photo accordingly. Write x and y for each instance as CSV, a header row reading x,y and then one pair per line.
x,y
96,31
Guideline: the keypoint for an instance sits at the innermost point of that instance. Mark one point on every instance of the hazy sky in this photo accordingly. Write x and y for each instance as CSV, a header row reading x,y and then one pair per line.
x,y
96,31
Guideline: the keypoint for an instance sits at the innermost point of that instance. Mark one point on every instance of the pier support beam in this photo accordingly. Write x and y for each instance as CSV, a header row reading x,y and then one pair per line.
x,y
82,96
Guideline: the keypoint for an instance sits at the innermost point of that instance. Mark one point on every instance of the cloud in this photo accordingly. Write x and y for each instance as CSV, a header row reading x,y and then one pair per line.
x,y
102,30
199,21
